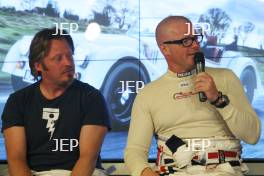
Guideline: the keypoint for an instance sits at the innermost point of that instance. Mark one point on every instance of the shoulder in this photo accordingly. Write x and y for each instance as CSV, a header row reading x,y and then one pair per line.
x,y
224,78
85,89
25,93
153,87
21,98
220,72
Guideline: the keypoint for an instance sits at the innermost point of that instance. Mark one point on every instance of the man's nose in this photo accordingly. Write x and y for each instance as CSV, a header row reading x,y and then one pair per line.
x,y
68,60
195,45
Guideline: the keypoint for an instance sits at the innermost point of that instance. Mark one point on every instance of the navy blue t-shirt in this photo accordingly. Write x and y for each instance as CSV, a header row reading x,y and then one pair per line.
x,y
53,127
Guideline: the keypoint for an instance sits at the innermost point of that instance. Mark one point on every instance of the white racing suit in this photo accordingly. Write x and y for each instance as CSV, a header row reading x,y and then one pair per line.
x,y
170,105
196,156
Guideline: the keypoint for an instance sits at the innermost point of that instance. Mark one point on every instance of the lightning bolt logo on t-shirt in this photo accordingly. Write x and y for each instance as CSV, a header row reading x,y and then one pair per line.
x,y
51,115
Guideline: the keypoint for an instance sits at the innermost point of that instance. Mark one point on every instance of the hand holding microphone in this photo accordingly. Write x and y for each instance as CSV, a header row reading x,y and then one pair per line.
x,y
204,83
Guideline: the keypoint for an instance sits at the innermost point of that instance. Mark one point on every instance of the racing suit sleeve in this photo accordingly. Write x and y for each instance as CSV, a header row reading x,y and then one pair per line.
x,y
239,116
139,137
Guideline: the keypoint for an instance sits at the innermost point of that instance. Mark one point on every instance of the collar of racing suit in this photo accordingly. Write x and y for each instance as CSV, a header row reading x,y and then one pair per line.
x,y
181,75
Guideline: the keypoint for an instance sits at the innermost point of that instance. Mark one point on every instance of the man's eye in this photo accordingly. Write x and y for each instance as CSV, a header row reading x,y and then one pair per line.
x,y
186,40
69,56
57,58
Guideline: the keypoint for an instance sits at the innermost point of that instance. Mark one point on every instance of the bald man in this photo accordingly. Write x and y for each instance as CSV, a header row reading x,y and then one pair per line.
x,y
193,137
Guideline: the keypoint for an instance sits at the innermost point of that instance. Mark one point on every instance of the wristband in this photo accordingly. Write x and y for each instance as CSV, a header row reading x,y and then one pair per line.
x,y
217,99
221,101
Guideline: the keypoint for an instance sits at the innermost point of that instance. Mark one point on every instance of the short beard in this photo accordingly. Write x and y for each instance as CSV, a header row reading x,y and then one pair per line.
x,y
66,83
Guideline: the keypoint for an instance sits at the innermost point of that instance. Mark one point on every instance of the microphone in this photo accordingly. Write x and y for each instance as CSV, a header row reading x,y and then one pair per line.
x,y
199,62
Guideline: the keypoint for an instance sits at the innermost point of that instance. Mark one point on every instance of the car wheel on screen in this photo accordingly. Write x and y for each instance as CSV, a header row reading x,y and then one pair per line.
x,y
120,98
17,82
248,80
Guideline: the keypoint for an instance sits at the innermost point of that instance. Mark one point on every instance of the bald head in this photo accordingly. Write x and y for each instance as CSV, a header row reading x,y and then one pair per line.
x,y
179,57
166,25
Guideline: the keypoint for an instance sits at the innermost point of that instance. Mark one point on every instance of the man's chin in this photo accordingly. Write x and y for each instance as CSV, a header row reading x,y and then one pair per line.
x,y
66,82
191,64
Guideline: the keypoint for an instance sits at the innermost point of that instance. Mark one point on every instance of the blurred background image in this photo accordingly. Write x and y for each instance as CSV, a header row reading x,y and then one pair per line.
x,y
116,51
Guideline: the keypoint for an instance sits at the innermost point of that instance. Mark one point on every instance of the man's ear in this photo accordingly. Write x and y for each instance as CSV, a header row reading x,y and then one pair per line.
x,y
38,67
164,49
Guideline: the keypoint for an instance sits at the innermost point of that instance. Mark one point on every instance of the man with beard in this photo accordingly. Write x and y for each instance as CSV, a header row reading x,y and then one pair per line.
x,y
55,126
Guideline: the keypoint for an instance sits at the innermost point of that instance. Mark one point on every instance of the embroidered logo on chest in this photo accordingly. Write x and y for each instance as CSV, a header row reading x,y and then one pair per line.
x,y
185,84
181,95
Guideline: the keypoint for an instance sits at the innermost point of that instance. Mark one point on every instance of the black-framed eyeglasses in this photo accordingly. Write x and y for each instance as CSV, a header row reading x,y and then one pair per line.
x,y
187,41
